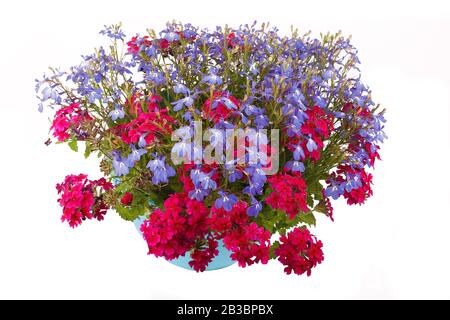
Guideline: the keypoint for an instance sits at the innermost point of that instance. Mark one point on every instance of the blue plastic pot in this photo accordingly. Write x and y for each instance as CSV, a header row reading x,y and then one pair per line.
x,y
222,260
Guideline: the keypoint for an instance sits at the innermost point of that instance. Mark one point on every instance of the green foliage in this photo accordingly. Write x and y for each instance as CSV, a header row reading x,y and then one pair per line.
x,y
315,188
140,206
131,213
73,144
88,150
278,221
143,201
307,218
273,248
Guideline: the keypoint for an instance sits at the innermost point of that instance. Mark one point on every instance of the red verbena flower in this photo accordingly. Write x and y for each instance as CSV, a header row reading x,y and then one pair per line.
x,y
150,124
299,251
250,244
358,195
288,194
328,207
202,257
318,122
172,232
223,106
318,127
222,222
135,44
164,44
82,198
127,199
232,40
67,121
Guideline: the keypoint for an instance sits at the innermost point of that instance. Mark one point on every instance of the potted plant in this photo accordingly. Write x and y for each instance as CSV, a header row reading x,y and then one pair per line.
x,y
222,145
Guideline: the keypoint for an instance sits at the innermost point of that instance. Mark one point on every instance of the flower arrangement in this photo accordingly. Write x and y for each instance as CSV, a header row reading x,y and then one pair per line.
x,y
233,137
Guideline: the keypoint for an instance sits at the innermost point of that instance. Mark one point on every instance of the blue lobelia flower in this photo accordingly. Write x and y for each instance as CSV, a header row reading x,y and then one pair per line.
x,y
295,166
319,101
161,171
117,113
261,121
180,104
196,174
233,174
187,116
227,102
335,190
94,94
98,77
120,165
297,98
328,74
198,194
180,88
353,182
224,125
255,157
311,145
207,182
298,153
255,208
189,32
183,149
339,115
114,32
254,187
135,155
225,201
257,174
142,143
252,110
171,36
216,136
212,79
156,76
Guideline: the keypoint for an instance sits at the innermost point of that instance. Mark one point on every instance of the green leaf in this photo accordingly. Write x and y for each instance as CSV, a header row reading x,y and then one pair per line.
x,y
88,150
308,218
315,188
273,248
73,145
321,207
131,213
142,203
310,201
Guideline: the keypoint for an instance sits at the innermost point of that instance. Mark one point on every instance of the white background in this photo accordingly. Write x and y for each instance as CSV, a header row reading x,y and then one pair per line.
x,y
396,246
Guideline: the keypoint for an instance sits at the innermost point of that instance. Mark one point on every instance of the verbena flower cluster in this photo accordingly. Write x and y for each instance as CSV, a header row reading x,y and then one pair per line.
x,y
125,101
